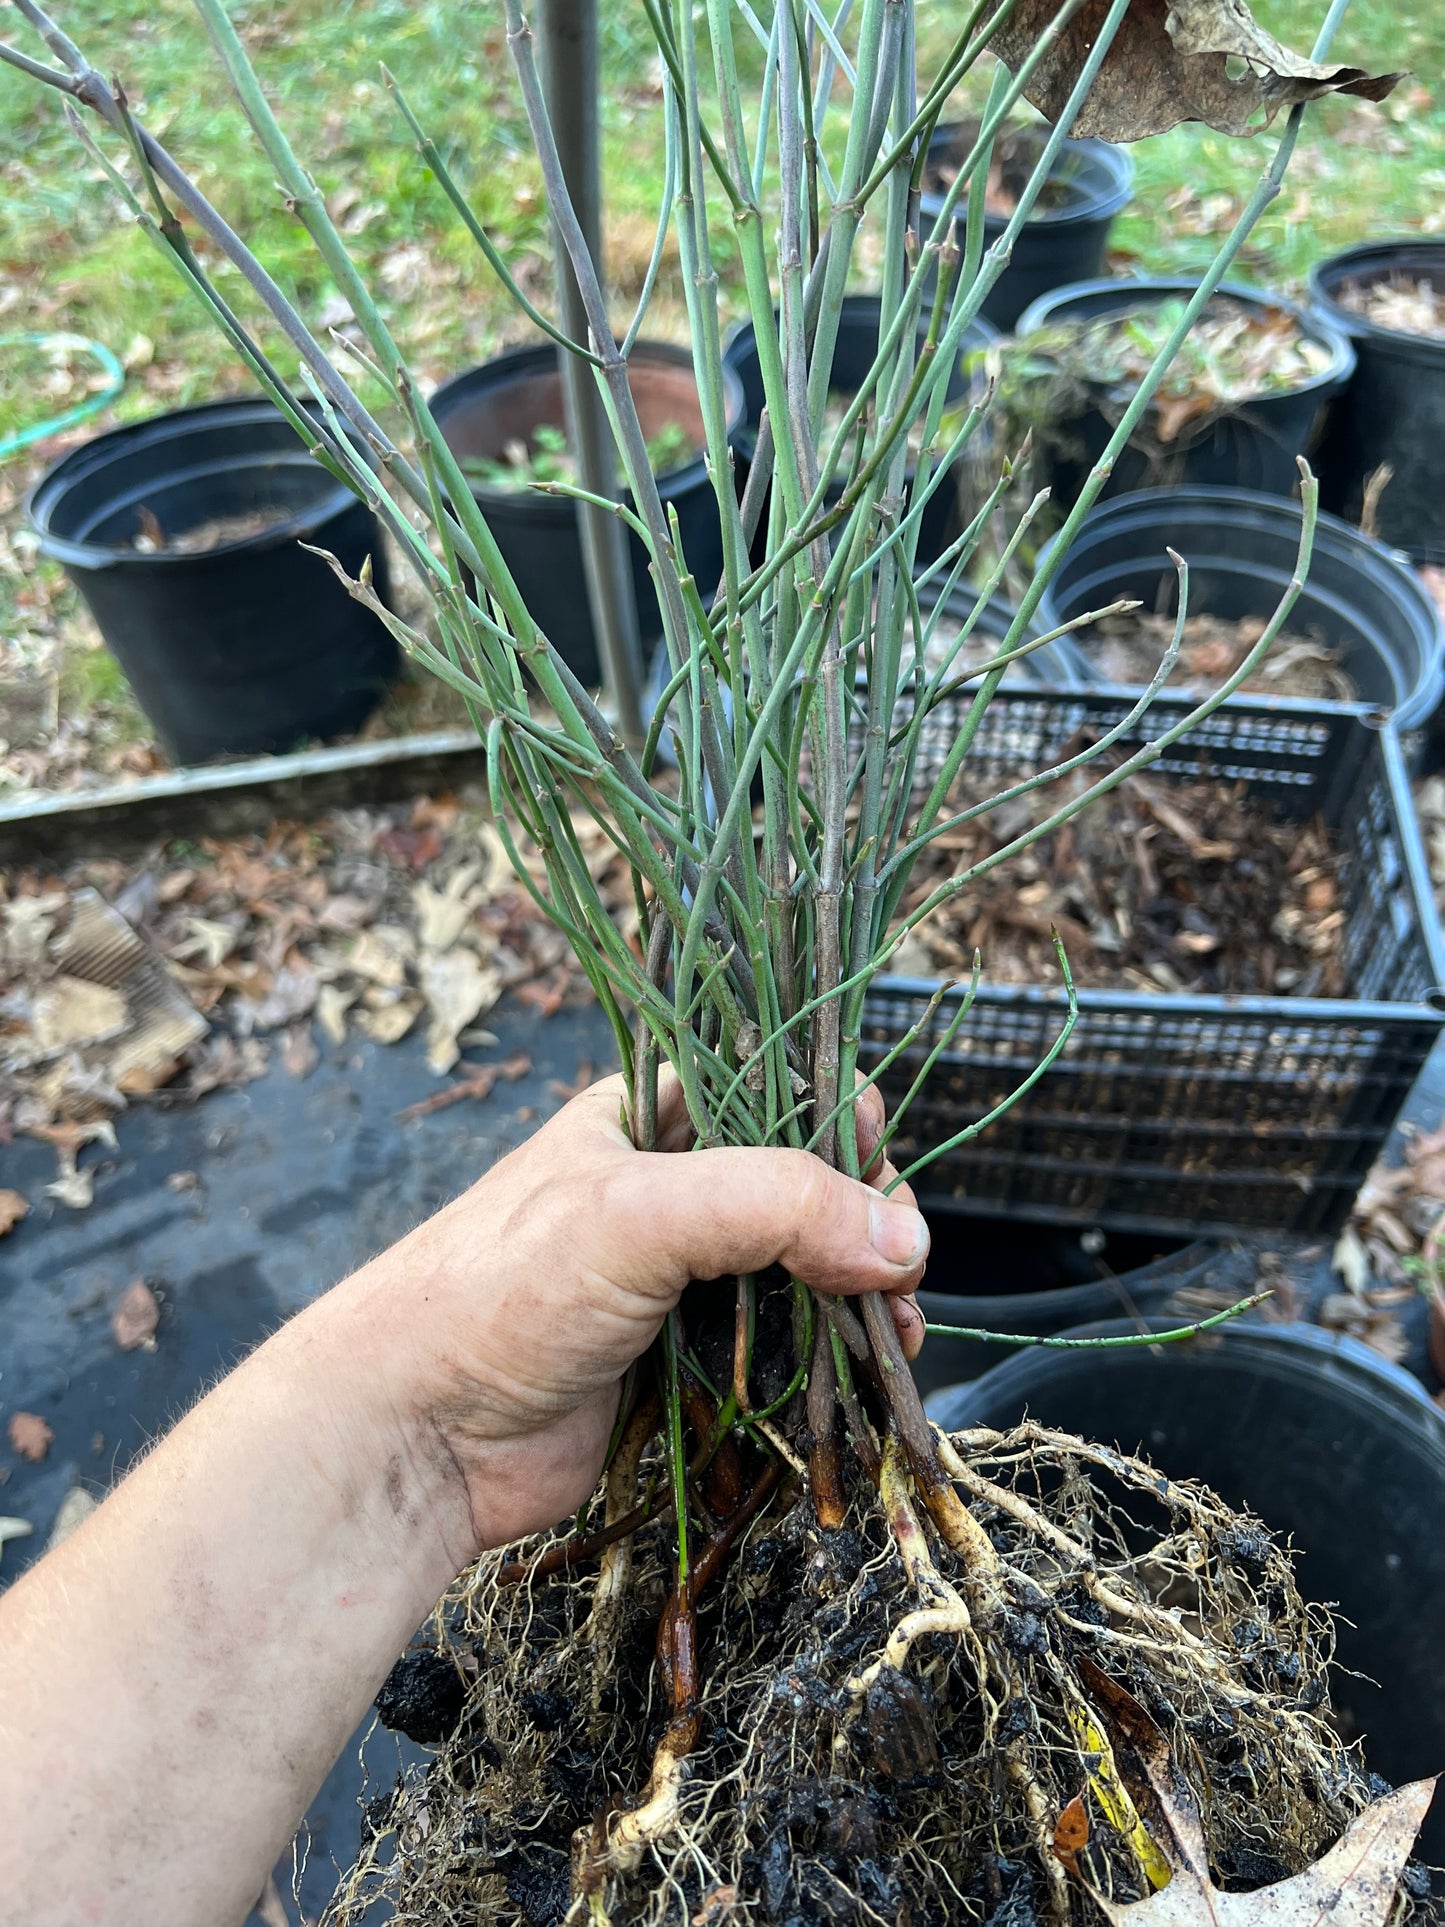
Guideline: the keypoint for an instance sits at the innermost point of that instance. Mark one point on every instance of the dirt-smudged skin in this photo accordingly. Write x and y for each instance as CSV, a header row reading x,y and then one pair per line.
x,y
850,1677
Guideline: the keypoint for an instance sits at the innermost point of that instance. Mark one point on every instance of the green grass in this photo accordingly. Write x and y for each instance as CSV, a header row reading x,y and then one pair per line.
x,y
69,260
1361,172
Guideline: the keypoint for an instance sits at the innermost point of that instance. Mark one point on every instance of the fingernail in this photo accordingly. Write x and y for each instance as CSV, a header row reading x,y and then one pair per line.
x,y
897,1233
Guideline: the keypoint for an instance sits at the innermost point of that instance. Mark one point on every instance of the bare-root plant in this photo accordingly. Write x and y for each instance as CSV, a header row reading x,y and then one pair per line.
x,y
804,1658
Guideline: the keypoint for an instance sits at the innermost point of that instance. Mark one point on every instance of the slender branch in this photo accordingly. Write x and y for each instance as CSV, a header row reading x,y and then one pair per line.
x,y
1172,1337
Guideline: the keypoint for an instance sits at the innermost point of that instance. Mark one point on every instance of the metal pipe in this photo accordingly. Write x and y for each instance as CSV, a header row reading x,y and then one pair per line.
x,y
570,78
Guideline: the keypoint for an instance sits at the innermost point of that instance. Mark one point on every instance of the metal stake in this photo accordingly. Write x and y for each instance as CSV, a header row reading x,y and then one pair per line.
x,y
569,72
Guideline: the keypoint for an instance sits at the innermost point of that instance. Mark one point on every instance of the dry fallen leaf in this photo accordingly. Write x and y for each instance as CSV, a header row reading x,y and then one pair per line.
x,y
1354,1885
332,1005
381,955
1171,61
28,924
75,1508
389,1022
292,995
299,1053
74,1188
30,1436
1071,1833
457,989
207,943
133,1323
715,1903
1352,1261
13,1208
345,913
11,1528
442,915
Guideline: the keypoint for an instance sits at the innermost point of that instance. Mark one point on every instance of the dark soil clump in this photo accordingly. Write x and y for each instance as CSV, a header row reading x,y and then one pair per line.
x,y
422,1696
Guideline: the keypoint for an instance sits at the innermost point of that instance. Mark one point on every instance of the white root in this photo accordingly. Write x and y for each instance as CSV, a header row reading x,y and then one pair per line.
x,y
614,1575
632,1833
1134,1612
944,1611
1044,1820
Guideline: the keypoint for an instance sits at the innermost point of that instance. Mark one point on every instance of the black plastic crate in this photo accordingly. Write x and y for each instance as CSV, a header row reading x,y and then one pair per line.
x,y
1176,1113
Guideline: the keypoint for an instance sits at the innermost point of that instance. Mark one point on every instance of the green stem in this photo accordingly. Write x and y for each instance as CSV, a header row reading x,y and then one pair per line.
x,y
1063,1344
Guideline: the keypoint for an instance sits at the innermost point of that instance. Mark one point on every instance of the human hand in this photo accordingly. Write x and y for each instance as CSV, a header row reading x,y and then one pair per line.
x,y
513,1314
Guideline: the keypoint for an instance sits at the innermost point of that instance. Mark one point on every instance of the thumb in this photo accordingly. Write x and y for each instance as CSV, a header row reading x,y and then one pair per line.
x,y
729,1210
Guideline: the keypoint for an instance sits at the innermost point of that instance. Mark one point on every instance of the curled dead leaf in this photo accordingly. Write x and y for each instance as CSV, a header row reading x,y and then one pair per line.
x,y
1172,61
30,1436
381,955
1071,1833
1351,1260
1354,1885
457,989
207,942
717,1902
73,1188
133,1323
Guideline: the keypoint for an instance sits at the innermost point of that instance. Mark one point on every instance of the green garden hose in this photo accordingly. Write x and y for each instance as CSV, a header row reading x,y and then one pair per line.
x,y
11,444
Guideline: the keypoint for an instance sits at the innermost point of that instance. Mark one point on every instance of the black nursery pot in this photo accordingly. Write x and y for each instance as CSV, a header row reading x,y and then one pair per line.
x,y
854,353
1394,410
1255,446
245,648
1241,549
1064,239
1010,1275
1330,1445
482,411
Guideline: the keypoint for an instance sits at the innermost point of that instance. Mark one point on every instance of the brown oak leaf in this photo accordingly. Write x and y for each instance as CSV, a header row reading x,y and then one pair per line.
x,y
1172,61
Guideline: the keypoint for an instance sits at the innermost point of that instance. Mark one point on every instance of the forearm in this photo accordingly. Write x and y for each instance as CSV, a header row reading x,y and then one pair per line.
x,y
176,1679
205,1644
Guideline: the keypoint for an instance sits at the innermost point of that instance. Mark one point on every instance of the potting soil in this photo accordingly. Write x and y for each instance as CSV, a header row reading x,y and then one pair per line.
x,y
546,458
1015,157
